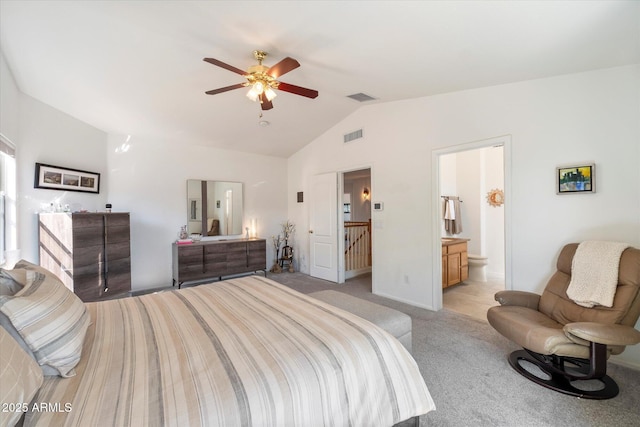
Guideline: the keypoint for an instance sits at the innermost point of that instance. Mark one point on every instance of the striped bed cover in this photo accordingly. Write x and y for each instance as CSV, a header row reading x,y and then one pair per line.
x,y
241,352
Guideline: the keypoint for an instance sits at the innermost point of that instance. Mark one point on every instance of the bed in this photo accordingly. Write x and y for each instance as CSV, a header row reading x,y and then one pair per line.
x,y
241,352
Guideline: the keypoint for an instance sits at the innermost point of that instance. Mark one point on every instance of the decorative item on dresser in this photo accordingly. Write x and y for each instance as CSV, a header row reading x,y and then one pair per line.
x,y
89,252
208,259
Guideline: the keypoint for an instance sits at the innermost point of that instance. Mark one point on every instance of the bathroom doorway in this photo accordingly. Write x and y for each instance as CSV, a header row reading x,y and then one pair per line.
x,y
471,235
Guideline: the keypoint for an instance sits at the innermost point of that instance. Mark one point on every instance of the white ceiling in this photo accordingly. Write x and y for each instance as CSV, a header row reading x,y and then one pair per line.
x,y
135,67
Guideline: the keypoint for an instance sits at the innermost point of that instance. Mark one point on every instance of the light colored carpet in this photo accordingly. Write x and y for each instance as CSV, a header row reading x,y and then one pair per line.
x,y
464,363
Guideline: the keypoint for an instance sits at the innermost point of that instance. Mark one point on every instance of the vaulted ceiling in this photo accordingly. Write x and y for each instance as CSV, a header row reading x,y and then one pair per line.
x,y
136,68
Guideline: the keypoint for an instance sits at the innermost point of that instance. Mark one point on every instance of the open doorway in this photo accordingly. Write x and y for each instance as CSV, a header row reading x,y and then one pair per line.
x,y
356,218
472,233
340,242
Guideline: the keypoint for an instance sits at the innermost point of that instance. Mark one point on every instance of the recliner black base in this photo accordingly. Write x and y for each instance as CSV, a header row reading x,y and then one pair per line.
x,y
560,378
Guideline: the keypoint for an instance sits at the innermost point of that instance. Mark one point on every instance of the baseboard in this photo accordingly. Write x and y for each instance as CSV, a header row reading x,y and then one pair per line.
x,y
354,273
495,276
145,291
625,363
412,303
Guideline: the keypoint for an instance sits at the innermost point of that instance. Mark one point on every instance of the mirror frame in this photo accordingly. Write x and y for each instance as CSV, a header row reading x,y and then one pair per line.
x,y
197,207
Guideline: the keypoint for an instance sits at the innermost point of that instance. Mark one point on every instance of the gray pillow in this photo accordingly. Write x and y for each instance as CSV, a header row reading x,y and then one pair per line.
x,y
8,286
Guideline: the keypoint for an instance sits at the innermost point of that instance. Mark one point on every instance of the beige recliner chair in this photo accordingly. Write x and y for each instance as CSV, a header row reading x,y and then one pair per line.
x,y
568,342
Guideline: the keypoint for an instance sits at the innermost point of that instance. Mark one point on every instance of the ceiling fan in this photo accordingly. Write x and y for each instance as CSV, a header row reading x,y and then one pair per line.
x,y
262,80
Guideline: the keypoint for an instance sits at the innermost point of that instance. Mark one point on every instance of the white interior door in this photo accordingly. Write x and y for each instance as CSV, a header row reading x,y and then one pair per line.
x,y
323,227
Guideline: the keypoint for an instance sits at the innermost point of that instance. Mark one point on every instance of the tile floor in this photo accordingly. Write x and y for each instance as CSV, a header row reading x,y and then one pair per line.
x,y
471,298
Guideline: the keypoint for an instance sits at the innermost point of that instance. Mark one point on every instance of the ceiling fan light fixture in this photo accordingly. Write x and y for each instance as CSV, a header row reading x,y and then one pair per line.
x,y
262,81
270,93
253,94
258,87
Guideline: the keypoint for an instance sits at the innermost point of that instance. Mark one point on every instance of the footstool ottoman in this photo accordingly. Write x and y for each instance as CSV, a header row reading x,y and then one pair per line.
x,y
393,321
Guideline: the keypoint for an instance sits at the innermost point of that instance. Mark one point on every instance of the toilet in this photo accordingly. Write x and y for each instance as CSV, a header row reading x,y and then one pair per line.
x,y
477,268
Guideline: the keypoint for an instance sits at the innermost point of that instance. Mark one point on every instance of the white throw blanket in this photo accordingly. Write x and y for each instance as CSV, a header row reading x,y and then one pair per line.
x,y
594,273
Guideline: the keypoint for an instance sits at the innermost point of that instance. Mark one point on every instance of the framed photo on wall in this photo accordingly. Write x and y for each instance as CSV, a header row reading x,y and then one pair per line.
x,y
61,178
576,179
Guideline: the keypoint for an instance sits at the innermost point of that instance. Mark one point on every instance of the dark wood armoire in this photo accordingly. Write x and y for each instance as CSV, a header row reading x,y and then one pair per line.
x,y
89,252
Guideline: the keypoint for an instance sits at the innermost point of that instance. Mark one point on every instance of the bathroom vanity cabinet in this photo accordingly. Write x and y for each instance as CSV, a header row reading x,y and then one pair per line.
x,y
455,266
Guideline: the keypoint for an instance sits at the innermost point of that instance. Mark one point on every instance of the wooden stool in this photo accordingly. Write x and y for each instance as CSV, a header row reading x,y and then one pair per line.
x,y
287,257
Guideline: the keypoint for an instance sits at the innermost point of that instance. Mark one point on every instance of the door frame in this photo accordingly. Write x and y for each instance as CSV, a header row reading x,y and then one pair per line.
x,y
505,141
341,271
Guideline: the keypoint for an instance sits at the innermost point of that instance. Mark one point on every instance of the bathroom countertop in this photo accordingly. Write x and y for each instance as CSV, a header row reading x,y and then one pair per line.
x,y
446,241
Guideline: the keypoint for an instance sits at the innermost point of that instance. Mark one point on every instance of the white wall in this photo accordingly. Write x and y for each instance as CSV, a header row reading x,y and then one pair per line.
x,y
470,183
9,101
9,123
52,137
149,180
45,135
591,116
448,178
493,215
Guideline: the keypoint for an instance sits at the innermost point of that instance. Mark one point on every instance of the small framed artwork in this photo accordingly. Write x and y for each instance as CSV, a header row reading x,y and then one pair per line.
x,y
61,178
576,179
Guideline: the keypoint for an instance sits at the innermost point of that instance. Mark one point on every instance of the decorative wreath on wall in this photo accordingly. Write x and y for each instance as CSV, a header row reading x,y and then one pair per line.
x,y
495,197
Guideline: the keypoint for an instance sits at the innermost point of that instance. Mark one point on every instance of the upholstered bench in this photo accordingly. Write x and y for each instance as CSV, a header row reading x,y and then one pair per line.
x,y
396,323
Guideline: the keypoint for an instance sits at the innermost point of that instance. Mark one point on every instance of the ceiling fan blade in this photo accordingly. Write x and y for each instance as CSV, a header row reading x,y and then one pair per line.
x,y
283,67
303,91
224,89
265,104
225,66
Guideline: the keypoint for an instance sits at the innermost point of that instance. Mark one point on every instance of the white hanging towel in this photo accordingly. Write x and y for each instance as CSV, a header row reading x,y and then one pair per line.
x,y
594,273
451,215
449,209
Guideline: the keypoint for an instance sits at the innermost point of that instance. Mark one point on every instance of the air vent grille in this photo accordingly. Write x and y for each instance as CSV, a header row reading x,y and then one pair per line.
x,y
361,97
353,135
